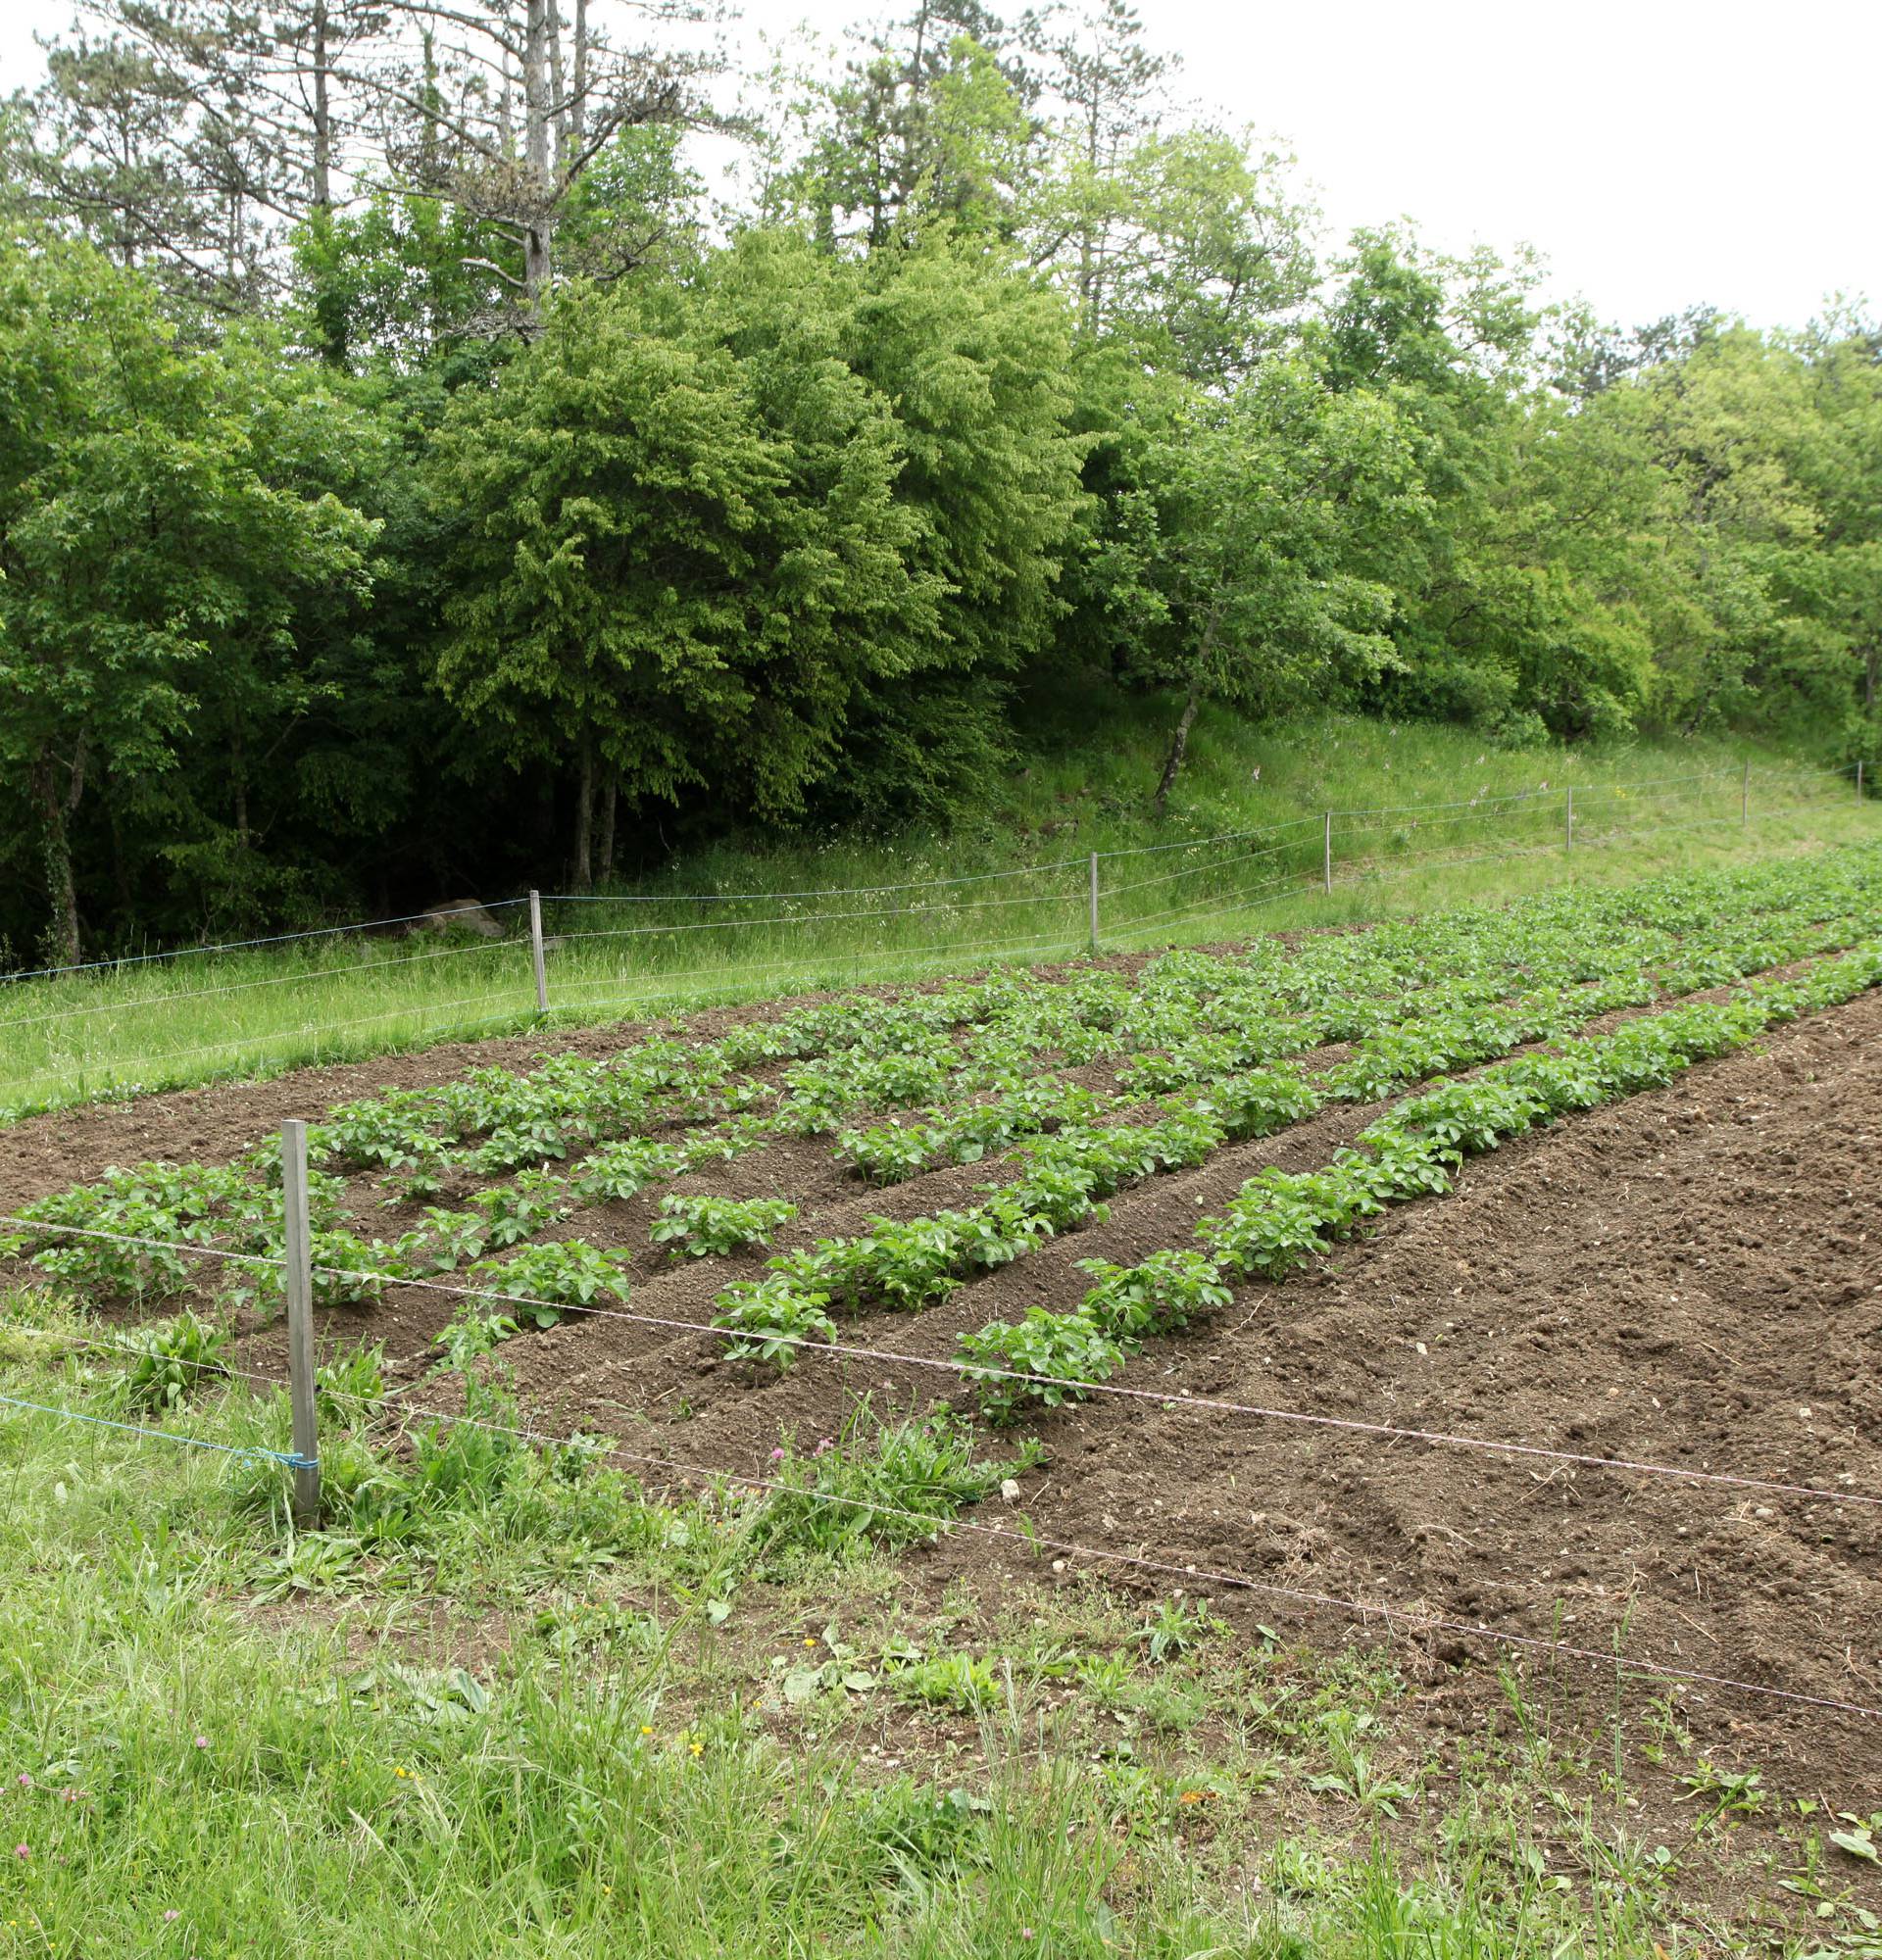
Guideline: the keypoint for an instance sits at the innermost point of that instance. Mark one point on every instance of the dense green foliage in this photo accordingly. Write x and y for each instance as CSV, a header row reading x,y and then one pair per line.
x,y
424,490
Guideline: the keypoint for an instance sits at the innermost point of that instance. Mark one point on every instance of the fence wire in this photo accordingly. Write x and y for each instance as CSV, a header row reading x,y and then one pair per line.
x,y
1214,879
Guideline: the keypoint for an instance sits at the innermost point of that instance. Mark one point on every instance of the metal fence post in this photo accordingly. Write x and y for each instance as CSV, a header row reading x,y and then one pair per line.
x,y
1094,902
300,1326
1326,855
1568,820
535,951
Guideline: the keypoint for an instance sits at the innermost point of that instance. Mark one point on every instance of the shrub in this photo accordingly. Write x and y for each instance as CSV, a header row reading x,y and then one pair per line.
x,y
903,1266
889,1152
618,1171
1170,1289
697,1228
1069,1350
1260,1104
514,1212
1471,1116
547,1278
770,1319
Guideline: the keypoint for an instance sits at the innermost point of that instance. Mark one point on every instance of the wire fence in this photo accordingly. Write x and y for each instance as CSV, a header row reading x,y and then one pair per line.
x,y
1166,1563
113,1027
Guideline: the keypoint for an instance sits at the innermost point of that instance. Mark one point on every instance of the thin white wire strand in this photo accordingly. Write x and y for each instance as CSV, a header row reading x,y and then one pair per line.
x,y
244,944
809,965
1193,871
517,1011
824,892
514,1011
1250,900
155,1001
1523,796
1364,1612
1201,843
880,914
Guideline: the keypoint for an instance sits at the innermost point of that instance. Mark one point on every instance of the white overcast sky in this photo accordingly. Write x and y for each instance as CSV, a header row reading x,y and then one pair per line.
x,y
1659,152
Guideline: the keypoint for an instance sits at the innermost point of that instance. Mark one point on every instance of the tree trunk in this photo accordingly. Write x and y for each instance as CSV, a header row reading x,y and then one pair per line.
x,y
585,818
578,83
61,941
609,793
557,92
1179,743
536,145
429,134
323,120
238,780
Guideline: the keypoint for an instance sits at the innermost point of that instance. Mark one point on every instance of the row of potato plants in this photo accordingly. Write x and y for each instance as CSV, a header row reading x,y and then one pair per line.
x,y
1281,1221
914,1263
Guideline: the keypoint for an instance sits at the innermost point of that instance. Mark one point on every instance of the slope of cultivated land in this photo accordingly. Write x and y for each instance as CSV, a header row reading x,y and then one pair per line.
x,y
1684,1275
1688,1277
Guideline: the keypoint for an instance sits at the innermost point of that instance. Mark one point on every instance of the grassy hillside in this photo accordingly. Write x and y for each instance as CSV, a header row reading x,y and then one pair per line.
x,y
1421,815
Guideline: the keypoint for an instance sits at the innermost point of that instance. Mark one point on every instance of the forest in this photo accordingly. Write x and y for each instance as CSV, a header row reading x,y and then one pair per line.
x,y
451,446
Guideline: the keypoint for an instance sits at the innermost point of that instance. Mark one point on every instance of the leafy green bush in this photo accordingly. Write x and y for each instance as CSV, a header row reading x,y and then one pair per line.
x,y
1069,1350
899,1265
770,1319
1167,1290
514,1212
619,1171
1260,1104
547,1278
698,1228
890,1152
1471,1116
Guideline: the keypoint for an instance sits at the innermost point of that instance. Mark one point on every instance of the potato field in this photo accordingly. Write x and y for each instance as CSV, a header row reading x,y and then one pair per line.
x,y
1501,1290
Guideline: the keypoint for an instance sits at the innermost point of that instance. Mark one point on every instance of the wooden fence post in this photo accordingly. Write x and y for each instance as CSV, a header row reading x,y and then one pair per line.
x,y
535,951
299,1276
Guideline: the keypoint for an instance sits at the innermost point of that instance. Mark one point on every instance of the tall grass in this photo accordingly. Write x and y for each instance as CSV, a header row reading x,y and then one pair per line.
x,y
1423,815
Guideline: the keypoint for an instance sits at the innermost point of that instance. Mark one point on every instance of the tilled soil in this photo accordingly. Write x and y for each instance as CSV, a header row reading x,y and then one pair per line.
x,y
217,1122
1690,1279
